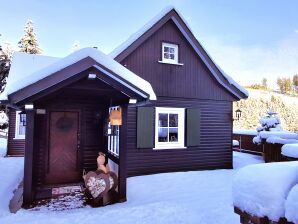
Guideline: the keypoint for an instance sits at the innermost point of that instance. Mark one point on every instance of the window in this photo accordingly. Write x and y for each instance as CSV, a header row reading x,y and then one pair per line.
x,y
20,126
169,128
169,53
113,137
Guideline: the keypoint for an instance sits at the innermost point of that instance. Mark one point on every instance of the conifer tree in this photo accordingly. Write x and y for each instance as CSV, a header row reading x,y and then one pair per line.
x,y
28,42
5,60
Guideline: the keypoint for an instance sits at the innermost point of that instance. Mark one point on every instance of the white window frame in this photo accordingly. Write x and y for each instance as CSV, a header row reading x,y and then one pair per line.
x,y
176,53
181,128
17,135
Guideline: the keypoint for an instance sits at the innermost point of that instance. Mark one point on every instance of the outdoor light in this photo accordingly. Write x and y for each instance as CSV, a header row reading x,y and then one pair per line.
x,y
23,118
115,116
91,76
238,114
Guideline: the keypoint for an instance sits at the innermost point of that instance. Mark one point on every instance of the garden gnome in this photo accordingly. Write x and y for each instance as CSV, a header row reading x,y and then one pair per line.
x,y
101,163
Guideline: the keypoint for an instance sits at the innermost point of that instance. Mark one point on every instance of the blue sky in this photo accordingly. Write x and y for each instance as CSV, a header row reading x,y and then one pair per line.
x,y
248,39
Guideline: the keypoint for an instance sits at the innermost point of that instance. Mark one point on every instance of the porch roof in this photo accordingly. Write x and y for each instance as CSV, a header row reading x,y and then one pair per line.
x,y
47,66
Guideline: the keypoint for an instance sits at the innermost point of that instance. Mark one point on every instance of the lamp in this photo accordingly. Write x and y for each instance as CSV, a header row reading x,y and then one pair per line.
x,y
115,116
238,113
23,117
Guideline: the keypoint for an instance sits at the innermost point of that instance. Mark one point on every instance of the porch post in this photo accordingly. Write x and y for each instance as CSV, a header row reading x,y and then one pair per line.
x,y
28,165
122,155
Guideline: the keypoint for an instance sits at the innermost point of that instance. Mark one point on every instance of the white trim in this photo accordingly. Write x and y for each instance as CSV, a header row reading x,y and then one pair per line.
x,y
170,63
17,126
181,130
176,51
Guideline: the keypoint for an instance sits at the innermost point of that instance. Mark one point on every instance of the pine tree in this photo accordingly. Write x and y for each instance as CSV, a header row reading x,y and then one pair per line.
x,y
5,60
28,42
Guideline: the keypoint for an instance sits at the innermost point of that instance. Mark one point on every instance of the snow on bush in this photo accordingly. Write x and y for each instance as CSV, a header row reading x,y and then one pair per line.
x,y
3,120
235,143
262,189
290,150
292,205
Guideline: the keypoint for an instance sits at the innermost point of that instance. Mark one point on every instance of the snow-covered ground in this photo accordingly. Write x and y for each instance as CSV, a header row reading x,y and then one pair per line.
x,y
182,197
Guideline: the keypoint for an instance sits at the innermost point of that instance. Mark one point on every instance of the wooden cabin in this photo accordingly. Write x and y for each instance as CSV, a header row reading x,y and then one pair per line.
x,y
176,108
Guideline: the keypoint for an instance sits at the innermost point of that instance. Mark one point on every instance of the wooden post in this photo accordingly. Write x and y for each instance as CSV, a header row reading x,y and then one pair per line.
x,y
122,155
28,166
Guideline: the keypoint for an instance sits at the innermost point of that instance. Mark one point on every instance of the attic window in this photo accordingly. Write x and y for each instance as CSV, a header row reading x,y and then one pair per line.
x,y
170,53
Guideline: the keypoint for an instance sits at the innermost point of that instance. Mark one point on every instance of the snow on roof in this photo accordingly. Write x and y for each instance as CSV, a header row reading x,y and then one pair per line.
x,y
93,53
23,65
149,25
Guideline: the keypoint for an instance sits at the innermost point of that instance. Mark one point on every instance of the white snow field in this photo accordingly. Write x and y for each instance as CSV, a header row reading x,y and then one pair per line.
x,y
182,197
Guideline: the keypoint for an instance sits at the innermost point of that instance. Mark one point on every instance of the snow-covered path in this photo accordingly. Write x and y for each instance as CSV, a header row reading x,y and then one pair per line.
x,y
186,197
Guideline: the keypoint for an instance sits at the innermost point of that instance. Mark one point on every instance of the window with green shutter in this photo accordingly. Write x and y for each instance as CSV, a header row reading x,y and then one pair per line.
x,y
193,126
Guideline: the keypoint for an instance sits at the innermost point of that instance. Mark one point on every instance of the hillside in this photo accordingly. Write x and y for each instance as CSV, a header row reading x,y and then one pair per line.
x,y
259,102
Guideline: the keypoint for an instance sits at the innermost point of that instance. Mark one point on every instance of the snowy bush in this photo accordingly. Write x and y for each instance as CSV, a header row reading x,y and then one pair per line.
x,y
292,205
3,120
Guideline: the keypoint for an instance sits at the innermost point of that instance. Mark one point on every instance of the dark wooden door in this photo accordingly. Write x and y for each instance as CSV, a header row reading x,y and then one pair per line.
x,y
63,153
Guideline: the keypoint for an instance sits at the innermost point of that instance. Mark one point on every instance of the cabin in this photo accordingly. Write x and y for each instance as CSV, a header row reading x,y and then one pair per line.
x,y
175,103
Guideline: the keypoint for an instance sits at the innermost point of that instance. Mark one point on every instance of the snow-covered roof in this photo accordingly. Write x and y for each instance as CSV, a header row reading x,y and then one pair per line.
x,y
23,65
149,25
59,64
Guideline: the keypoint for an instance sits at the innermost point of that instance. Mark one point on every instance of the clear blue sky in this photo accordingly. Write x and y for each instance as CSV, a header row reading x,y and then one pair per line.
x,y
249,39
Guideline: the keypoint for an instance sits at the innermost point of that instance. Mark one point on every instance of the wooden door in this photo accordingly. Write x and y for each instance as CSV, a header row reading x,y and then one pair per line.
x,y
63,153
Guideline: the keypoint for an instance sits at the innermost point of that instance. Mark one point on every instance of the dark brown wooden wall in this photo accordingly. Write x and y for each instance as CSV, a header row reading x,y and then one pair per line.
x,y
15,147
213,152
191,80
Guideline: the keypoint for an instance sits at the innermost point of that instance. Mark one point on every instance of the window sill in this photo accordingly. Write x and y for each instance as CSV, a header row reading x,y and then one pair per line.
x,y
19,138
170,63
169,147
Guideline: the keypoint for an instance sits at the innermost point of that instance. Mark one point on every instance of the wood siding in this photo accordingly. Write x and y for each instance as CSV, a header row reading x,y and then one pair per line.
x,y
190,80
15,147
213,152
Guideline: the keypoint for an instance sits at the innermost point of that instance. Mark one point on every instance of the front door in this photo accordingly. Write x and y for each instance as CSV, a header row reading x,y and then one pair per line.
x,y
63,166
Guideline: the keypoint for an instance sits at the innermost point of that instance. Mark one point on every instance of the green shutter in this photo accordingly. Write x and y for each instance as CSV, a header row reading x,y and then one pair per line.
x,y
193,125
145,127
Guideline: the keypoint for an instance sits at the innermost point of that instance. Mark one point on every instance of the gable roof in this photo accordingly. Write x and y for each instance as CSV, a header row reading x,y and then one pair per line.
x,y
120,73
170,13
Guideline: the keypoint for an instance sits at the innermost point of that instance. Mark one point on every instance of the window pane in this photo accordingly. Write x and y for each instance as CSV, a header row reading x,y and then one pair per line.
x,y
163,134
162,120
22,129
166,49
173,120
173,135
166,55
172,56
172,50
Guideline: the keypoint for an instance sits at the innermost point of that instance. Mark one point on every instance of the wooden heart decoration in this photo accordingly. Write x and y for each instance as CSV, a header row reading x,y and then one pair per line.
x,y
97,184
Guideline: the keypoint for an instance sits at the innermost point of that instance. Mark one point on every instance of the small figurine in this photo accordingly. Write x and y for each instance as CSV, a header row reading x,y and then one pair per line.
x,y
101,159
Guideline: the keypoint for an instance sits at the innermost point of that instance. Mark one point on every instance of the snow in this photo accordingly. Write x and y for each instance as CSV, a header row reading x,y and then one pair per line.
x,y
262,189
269,121
245,132
235,143
290,150
11,174
292,205
23,65
281,134
182,197
93,53
243,159
279,140
3,147
149,25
